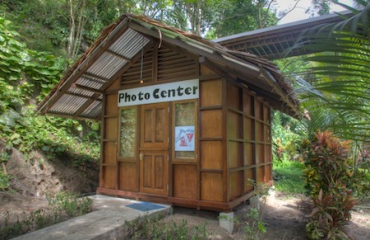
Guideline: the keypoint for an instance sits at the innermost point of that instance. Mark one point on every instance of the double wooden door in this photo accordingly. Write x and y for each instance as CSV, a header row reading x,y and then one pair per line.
x,y
154,148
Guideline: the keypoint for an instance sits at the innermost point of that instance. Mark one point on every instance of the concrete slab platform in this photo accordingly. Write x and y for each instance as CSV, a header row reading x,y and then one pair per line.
x,y
108,221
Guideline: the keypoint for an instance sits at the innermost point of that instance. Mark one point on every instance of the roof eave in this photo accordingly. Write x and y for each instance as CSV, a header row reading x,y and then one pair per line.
x,y
218,55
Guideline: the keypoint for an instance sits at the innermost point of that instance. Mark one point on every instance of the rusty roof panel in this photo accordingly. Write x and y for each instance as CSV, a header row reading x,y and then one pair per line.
x,y
106,65
67,104
93,110
129,44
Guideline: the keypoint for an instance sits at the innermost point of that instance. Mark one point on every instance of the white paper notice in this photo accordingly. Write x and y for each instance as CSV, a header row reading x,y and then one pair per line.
x,y
184,138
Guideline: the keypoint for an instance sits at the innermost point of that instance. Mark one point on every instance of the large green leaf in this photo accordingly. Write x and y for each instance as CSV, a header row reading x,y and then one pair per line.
x,y
339,75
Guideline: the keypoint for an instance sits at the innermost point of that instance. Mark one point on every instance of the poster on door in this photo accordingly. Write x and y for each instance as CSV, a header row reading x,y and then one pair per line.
x,y
184,138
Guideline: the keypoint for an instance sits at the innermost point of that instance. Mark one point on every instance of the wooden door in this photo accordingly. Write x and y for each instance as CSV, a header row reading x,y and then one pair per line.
x,y
154,142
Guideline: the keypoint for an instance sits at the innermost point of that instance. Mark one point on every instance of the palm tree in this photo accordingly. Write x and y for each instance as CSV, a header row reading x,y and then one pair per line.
x,y
337,80
336,92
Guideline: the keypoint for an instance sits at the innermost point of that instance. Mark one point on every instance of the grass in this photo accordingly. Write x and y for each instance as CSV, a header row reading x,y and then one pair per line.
x,y
288,176
151,228
61,207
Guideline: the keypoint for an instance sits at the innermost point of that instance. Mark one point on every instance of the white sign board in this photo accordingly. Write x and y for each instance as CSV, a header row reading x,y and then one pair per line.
x,y
159,93
184,138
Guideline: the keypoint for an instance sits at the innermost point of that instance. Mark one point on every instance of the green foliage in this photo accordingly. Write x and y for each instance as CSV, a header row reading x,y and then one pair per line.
x,y
66,205
4,177
150,228
66,28
4,180
61,207
285,137
28,131
252,222
288,176
336,80
330,179
254,227
23,70
240,16
27,74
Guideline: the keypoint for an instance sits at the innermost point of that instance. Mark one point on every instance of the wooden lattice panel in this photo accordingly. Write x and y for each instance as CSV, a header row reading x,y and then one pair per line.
x,y
141,70
174,66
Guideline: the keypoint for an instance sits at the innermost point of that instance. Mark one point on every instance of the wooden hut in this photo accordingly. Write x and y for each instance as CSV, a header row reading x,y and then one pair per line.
x,y
184,120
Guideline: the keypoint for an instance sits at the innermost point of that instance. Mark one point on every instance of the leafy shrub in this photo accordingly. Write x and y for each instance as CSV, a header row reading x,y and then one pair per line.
x,y
4,177
4,180
285,140
329,179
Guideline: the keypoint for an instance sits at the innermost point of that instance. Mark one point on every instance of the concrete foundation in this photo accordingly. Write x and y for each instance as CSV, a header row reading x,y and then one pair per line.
x,y
226,220
255,202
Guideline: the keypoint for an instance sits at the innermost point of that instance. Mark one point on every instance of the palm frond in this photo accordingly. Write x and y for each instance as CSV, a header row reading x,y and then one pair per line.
x,y
337,90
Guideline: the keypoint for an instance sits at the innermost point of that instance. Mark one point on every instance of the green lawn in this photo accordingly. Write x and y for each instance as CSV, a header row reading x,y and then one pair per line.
x,y
288,176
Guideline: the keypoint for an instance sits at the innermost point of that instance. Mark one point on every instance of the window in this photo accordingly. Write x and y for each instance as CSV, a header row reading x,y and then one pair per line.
x,y
185,130
128,119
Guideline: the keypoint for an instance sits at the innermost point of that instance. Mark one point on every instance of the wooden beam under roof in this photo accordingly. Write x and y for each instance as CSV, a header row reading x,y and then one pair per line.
x,y
83,107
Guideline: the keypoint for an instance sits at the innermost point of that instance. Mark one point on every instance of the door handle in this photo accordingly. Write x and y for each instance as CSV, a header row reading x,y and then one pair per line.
x,y
141,155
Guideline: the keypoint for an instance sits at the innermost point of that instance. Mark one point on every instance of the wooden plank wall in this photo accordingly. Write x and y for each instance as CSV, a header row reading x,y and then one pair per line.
x,y
109,138
234,136
248,141
212,137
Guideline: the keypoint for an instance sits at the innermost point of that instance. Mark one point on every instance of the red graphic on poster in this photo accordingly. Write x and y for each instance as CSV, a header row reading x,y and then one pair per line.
x,y
184,138
190,136
183,142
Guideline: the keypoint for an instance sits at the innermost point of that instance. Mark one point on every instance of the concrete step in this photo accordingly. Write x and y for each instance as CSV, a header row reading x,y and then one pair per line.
x,y
109,221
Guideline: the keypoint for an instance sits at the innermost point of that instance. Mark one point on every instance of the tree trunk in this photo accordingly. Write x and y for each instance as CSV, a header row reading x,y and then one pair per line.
x,y
79,31
72,27
197,17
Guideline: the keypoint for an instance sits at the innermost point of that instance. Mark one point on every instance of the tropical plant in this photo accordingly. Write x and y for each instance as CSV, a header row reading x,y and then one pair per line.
x,y
285,139
336,80
330,180
334,85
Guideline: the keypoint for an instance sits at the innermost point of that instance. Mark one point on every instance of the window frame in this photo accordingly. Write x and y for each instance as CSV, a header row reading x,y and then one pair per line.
x,y
135,147
196,133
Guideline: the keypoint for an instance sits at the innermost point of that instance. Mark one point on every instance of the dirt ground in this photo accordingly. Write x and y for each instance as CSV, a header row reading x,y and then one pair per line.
x,y
284,215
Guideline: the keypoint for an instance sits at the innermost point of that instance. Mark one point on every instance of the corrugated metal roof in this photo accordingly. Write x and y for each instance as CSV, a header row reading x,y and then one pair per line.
x,y
129,44
93,111
91,82
106,66
67,104
80,92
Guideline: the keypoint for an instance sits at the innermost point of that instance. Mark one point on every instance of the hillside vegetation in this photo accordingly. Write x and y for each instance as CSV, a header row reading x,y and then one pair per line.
x,y
26,76
40,39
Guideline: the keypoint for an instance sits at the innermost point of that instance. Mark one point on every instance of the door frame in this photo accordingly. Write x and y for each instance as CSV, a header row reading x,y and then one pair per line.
x,y
158,153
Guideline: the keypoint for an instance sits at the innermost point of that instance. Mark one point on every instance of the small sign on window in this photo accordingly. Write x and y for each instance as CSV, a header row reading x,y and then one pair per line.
x,y
184,138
